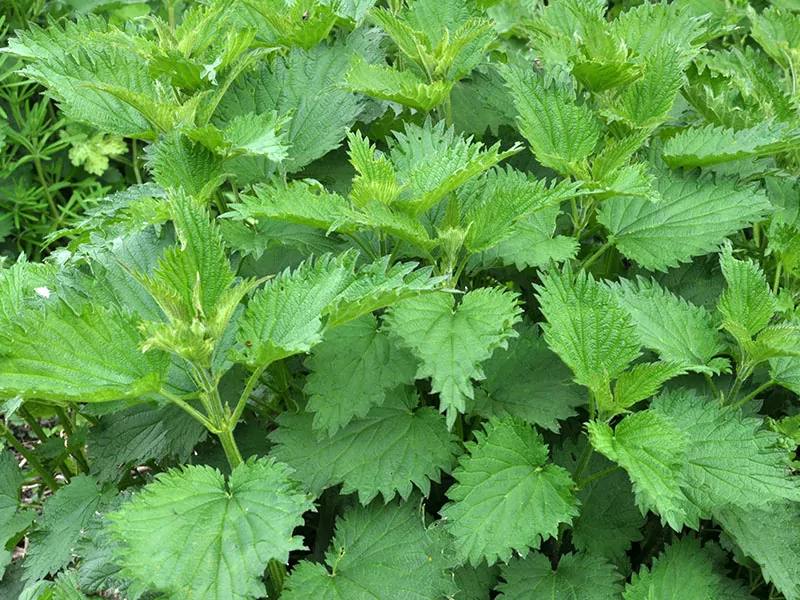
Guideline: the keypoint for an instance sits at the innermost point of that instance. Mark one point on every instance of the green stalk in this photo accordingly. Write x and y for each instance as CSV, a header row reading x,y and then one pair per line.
x,y
597,476
754,393
277,575
231,449
589,261
34,424
77,454
46,476
583,461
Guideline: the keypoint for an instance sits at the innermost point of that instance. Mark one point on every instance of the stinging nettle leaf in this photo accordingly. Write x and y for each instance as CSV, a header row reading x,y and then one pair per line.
x,y
389,451
246,521
678,330
651,449
451,341
694,217
378,552
577,577
586,326
562,133
351,371
59,356
507,496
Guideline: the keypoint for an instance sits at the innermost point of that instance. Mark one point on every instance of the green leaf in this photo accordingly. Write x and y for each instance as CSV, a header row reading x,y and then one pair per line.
x,y
678,330
529,382
747,301
285,316
246,522
643,26
586,326
507,496
695,216
710,145
18,286
651,449
577,577
58,356
432,161
64,515
13,522
351,371
684,571
393,448
308,87
643,381
140,434
562,133
532,242
403,87
776,31
257,135
771,537
729,459
609,521
646,103
297,202
452,342
378,552
177,162
502,198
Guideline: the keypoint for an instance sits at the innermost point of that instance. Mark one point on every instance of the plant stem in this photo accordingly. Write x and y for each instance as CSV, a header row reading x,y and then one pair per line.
x,y
583,461
231,449
77,453
754,393
589,261
777,281
597,476
135,162
46,476
189,409
34,424
277,574
248,389
711,385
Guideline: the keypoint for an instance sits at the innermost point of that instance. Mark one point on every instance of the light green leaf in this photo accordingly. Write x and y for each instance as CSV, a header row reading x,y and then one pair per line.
x,y
643,381
562,133
351,371
684,571
529,382
502,198
651,449
729,459
646,102
609,521
285,316
710,145
59,356
678,330
403,87
771,537
577,577
246,522
432,162
452,342
259,135
393,448
643,26
177,162
695,216
747,301
586,326
378,552
299,202
507,496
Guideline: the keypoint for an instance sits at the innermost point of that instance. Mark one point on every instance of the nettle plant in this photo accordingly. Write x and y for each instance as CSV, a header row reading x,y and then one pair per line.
x,y
426,300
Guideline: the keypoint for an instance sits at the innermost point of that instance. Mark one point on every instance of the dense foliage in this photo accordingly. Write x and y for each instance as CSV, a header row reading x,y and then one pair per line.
x,y
408,300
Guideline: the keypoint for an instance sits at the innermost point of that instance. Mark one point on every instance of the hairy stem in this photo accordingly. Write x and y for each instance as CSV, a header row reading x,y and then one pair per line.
x,y
69,430
754,393
590,261
596,476
231,449
37,466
